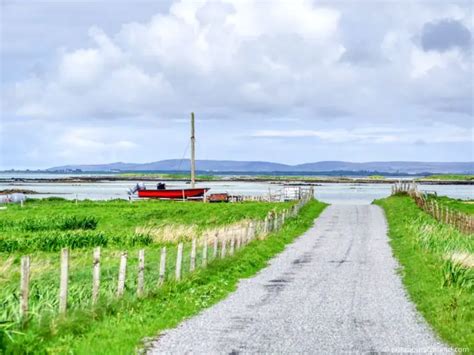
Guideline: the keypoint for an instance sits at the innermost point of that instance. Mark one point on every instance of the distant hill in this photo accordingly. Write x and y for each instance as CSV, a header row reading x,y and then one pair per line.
x,y
403,167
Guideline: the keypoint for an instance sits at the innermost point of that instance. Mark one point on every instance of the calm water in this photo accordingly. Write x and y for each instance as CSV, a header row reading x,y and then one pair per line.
x,y
349,193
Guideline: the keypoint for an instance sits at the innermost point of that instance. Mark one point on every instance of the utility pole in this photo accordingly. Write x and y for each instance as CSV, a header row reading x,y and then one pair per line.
x,y
193,157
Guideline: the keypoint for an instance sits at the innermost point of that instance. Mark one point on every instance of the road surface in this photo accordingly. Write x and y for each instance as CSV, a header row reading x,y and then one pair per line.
x,y
335,289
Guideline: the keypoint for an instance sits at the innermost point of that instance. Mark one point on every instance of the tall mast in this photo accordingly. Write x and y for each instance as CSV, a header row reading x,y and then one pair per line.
x,y
193,157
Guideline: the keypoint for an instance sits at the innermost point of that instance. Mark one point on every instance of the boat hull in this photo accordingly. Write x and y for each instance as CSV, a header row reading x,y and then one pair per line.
x,y
174,194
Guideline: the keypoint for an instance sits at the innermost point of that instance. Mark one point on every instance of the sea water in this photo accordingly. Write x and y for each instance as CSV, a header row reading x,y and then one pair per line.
x,y
347,193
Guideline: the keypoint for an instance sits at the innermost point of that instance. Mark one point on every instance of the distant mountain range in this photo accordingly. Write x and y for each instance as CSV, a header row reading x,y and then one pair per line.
x,y
226,166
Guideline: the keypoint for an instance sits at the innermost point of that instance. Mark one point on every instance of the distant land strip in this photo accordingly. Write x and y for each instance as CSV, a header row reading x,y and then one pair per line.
x,y
258,167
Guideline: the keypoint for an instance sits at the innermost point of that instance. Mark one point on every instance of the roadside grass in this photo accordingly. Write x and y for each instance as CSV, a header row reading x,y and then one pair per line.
x,y
119,327
439,282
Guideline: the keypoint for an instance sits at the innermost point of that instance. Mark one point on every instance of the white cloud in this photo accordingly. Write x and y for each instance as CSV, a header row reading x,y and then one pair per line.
x,y
186,55
287,69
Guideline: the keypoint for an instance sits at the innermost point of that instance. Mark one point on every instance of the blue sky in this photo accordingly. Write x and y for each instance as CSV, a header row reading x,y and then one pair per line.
x,y
284,81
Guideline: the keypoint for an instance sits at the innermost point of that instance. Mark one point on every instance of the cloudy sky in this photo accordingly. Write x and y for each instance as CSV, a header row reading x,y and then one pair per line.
x,y
285,81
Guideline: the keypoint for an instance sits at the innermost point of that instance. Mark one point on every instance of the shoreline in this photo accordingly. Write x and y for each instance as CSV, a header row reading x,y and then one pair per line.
x,y
297,182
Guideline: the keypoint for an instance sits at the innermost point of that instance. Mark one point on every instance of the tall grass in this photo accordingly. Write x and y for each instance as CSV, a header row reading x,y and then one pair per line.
x,y
55,240
35,224
439,283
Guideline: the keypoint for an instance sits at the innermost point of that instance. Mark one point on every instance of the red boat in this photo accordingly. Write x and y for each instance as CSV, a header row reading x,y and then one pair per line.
x,y
174,194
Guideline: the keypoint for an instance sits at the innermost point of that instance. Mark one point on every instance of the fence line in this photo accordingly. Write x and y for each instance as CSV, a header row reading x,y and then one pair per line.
x,y
426,201
230,243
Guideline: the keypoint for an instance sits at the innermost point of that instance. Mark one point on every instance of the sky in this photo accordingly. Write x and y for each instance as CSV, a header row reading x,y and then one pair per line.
x,y
284,81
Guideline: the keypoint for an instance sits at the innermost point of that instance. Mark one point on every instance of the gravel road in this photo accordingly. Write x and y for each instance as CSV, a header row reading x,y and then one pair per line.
x,y
335,289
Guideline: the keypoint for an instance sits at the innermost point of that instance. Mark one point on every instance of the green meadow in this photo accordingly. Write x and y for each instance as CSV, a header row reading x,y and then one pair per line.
x,y
116,226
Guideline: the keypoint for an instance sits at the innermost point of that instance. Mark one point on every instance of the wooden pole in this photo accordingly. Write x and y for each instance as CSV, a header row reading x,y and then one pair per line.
x,y
232,245
193,153
141,273
192,264
239,239
24,288
63,281
95,275
216,246
161,277
179,261
122,273
223,248
204,253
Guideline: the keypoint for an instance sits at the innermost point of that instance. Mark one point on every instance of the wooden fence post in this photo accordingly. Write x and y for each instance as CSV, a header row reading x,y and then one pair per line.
x,y
24,288
204,253
239,239
161,277
224,242
179,261
122,273
232,245
252,230
63,281
192,263
95,275
216,246
141,273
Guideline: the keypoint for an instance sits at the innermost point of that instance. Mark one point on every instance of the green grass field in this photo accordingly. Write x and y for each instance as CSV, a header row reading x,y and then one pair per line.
x,y
433,258
49,225
118,326
168,176
464,206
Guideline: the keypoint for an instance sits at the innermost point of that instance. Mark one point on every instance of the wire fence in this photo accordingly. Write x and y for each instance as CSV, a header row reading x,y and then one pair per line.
x,y
137,272
427,202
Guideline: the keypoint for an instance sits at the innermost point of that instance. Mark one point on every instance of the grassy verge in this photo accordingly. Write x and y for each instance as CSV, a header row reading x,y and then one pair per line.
x,y
440,285
120,327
